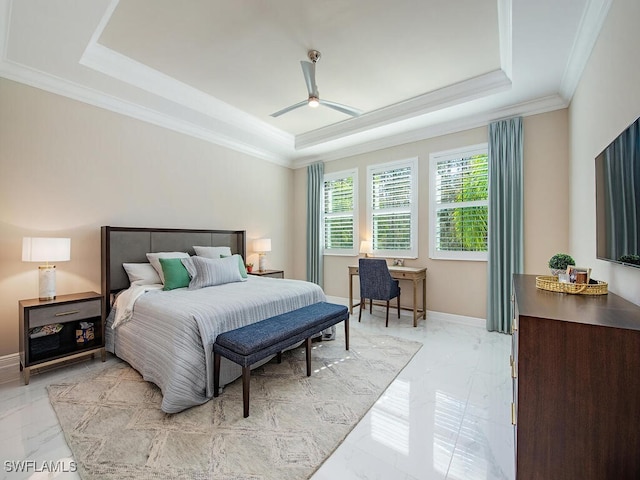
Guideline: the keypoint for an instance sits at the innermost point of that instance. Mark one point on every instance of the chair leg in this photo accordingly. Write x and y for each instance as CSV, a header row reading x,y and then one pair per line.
x,y
371,306
387,323
360,314
398,305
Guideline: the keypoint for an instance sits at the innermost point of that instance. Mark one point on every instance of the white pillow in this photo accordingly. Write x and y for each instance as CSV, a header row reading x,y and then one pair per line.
x,y
154,260
141,273
213,252
208,272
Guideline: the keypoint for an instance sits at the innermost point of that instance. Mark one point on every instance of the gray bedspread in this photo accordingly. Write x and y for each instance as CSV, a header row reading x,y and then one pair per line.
x,y
170,336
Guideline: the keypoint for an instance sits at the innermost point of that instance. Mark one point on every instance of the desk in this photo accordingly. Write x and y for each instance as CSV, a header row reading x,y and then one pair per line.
x,y
416,275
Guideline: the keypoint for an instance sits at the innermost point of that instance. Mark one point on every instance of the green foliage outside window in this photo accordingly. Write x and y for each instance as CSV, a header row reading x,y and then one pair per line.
x,y
463,224
338,213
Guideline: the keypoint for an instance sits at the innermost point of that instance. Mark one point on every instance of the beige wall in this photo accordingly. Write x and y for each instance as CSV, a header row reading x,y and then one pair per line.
x,y
606,101
459,287
66,168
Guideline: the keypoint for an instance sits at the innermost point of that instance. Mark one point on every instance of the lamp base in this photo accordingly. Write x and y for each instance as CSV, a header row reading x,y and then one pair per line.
x,y
262,262
47,282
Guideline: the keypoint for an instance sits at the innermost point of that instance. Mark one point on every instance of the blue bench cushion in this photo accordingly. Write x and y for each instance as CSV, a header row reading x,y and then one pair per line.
x,y
255,337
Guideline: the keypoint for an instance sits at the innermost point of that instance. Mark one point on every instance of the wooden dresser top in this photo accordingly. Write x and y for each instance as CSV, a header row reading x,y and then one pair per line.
x,y
604,310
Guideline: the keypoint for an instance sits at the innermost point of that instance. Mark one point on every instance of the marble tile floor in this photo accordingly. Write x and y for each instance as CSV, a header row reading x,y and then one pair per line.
x,y
446,416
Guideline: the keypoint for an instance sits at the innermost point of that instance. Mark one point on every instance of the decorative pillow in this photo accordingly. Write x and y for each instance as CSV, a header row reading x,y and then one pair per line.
x,y
154,260
188,264
214,271
241,266
175,273
212,252
141,273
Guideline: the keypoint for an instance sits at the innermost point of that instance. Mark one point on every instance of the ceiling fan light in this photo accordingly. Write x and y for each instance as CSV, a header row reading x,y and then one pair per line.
x,y
314,102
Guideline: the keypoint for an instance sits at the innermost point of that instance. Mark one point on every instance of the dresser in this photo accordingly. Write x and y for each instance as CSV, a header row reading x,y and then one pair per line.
x,y
575,366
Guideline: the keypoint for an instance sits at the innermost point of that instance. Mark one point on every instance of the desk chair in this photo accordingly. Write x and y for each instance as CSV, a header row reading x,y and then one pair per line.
x,y
376,283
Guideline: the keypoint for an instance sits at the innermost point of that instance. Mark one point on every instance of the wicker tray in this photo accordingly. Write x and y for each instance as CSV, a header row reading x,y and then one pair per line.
x,y
552,284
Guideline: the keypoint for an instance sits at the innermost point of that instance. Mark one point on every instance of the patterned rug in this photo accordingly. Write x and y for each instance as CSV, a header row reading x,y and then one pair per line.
x,y
116,430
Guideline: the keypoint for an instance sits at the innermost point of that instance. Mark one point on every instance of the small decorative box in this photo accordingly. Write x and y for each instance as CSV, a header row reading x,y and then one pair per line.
x,y
85,333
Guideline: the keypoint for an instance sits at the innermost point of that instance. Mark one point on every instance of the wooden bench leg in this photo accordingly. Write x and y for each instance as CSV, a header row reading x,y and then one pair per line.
x,y
246,375
216,374
346,333
307,346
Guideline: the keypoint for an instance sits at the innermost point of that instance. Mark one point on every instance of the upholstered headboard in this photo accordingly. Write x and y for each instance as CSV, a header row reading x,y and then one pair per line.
x,y
130,245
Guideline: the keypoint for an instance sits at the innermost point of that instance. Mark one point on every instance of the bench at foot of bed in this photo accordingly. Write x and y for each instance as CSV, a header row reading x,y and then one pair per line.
x,y
252,343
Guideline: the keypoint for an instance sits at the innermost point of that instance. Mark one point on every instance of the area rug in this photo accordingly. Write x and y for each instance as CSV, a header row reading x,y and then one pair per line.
x,y
114,426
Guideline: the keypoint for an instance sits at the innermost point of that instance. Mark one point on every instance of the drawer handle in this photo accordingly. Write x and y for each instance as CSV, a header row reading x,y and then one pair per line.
x,y
71,312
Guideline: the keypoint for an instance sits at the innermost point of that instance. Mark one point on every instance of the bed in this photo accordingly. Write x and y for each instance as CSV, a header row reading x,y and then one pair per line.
x,y
169,336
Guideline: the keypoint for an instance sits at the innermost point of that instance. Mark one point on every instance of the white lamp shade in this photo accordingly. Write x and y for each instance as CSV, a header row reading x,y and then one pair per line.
x,y
40,249
262,245
365,247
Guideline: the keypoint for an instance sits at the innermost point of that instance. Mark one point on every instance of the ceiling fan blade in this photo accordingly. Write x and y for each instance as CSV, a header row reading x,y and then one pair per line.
x,y
288,109
354,112
309,71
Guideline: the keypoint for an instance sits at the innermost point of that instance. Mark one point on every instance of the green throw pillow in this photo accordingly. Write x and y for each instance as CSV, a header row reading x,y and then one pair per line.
x,y
243,269
175,273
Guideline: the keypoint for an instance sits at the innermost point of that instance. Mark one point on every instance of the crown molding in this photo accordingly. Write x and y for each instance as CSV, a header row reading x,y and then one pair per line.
x,y
60,86
457,93
118,66
590,25
524,109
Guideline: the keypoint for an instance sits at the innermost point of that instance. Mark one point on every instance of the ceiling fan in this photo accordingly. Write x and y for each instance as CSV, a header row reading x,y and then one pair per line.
x,y
309,71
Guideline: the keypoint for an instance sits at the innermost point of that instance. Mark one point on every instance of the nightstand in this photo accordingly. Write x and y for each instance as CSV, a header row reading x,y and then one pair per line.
x,y
65,313
268,273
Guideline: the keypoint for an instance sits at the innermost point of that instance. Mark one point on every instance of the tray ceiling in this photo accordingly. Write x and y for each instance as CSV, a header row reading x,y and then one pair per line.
x,y
217,70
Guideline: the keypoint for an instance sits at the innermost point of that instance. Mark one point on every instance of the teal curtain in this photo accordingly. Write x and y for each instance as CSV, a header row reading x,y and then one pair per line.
x,y
506,225
315,179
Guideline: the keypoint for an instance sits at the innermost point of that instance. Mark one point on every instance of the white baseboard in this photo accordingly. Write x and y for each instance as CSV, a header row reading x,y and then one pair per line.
x,y
453,318
9,368
445,317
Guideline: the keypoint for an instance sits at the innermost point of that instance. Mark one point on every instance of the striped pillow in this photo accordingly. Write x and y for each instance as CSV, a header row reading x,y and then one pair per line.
x,y
207,272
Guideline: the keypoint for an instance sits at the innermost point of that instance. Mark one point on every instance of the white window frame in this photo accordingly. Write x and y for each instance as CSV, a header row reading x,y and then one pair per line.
x,y
434,159
411,253
328,177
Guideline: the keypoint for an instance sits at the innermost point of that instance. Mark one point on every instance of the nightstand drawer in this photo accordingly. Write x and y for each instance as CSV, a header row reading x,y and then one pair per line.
x,y
67,312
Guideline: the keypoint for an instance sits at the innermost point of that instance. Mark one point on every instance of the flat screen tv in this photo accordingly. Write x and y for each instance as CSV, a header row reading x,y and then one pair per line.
x,y
618,199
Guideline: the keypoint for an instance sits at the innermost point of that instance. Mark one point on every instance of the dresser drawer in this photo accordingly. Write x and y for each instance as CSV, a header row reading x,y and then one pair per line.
x,y
67,312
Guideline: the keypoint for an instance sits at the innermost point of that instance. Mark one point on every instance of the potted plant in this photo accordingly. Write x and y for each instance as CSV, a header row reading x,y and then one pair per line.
x,y
559,263
249,267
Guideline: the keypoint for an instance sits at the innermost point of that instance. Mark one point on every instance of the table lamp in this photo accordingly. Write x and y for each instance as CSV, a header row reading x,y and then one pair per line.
x,y
39,249
365,247
262,246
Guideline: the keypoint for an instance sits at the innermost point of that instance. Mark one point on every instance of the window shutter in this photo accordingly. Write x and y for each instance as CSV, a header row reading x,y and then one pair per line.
x,y
339,206
461,196
392,208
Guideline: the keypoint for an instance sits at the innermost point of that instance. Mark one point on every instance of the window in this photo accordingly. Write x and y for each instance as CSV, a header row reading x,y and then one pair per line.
x,y
340,205
392,208
459,204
